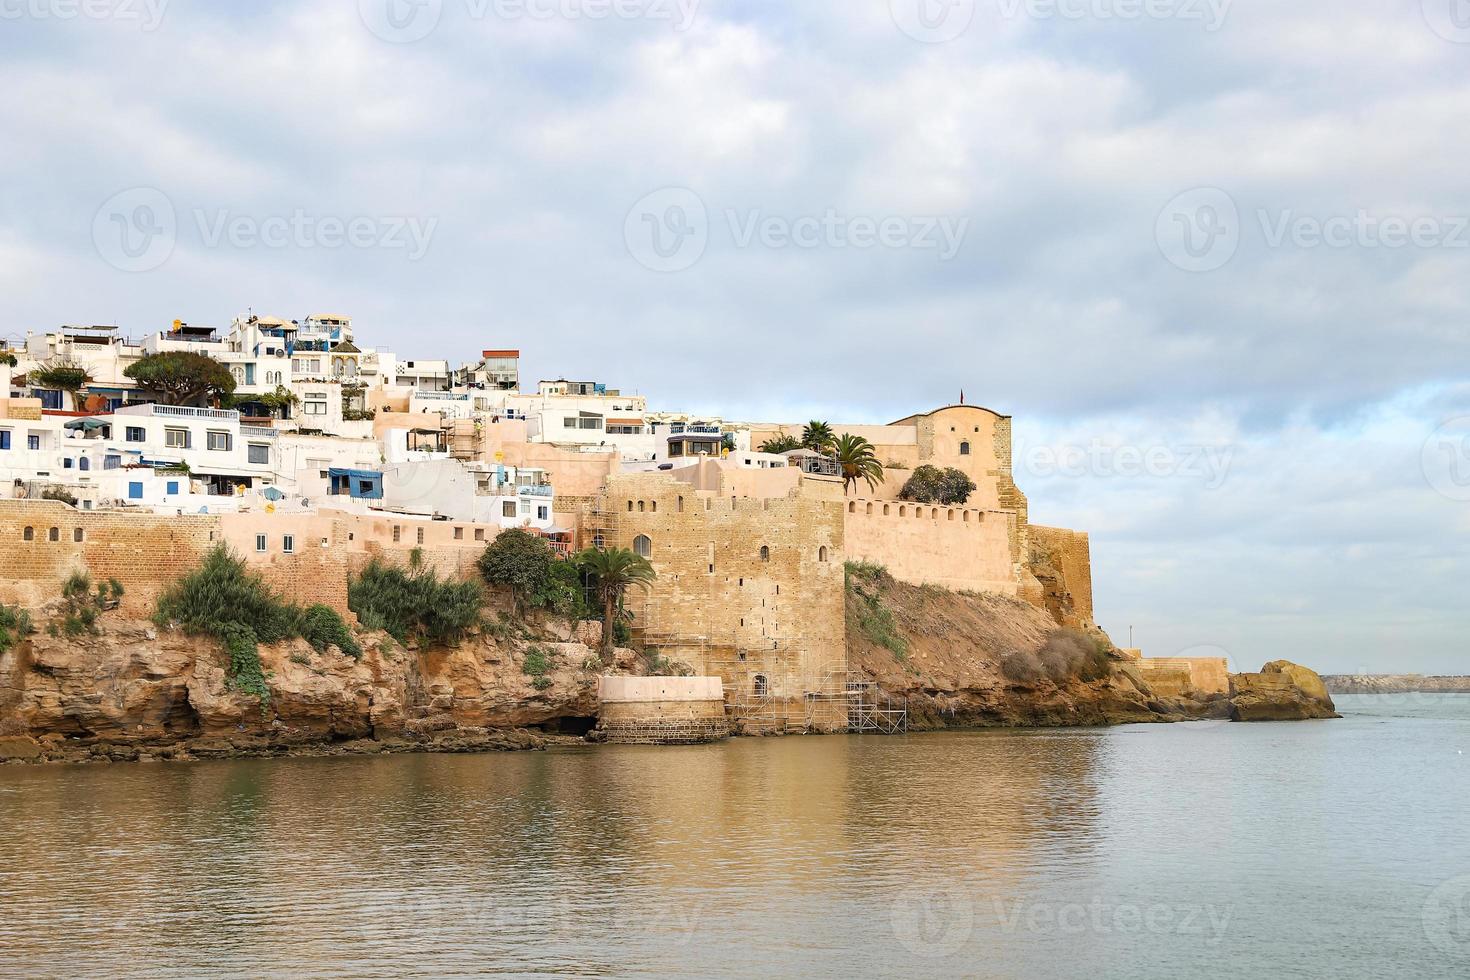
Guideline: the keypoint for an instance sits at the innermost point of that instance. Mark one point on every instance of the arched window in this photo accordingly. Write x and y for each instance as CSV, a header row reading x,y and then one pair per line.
x,y
630,506
822,553
679,505
653,506
765,553
84,463
29,534
870,510
761,686
640,506
642,546
903,511
852,506
965,448
54,534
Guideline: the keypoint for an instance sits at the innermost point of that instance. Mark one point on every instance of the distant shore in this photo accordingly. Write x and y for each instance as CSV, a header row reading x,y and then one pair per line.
x,y
1396,683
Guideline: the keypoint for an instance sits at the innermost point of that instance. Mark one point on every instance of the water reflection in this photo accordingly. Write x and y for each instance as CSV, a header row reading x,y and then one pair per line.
x,y
977,853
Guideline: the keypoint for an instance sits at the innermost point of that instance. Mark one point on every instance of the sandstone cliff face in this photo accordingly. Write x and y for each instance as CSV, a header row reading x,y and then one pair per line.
x,y
133,684
1282,691
973,660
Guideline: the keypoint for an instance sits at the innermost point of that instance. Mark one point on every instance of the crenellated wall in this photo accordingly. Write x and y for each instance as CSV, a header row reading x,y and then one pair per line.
x,y
960,548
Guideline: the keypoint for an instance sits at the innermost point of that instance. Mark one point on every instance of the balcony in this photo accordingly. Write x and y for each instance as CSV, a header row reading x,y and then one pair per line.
x,y
257,432
183,411
536,490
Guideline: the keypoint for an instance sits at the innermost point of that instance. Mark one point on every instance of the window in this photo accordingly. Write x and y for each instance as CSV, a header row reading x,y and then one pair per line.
x,y
761,685
508,509
135,491
569,423
419,536
77,534
112,462
135,433
642,546
315,404
172,487
822,553
542,513
176,438
964,449
459,534
84,464
29,534
765,553
397,532
66,463
258,452
4,438
54,534
260,543
479,534
33,442
288,544
217,441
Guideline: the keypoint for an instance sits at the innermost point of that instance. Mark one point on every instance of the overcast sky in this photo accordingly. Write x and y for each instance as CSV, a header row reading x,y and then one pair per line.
x,y
1212,256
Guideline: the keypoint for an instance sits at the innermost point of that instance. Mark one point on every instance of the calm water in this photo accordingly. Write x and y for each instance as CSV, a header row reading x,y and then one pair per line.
x,y
1319,849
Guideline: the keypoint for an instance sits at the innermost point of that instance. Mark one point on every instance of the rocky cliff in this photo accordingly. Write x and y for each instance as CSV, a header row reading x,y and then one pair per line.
x,y
967,660
131,689
1282,691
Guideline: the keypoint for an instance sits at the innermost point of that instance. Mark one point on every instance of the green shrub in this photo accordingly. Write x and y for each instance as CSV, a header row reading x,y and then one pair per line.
x,y
537,662
322,627
541,683
15,625
931,485
519,562
415,604
866,612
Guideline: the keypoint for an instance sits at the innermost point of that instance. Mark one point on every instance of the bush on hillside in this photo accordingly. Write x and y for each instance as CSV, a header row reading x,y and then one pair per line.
x,y
415,603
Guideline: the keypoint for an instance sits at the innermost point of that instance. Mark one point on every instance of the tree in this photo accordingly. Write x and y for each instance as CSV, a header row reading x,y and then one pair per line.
x,y
7,358
780,444
615,571
519,561
180,377
817,436
931,485
281,400
60,376
857,461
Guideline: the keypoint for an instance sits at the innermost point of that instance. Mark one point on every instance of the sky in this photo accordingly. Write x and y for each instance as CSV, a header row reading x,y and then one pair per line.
x,y
1211,255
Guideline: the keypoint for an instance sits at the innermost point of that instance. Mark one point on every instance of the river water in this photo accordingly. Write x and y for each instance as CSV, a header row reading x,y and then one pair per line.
x,y
1315,849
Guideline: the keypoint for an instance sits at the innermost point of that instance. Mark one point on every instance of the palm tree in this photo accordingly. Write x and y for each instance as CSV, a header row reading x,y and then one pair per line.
x,y
615,571
857,460
817,436
780,444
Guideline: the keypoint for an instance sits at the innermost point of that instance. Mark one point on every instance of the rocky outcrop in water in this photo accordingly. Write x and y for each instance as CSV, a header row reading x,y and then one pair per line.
x,y
131,690
1282,691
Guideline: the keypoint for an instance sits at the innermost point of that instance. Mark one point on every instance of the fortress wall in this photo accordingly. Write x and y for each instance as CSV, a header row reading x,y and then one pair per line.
x,y
1180,676
143,551
718,604
1061,560
961,548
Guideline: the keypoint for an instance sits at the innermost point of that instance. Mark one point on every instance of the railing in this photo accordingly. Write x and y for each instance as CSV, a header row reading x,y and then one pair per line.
x,y
440,396
183,411
539,490
256,432
818,465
